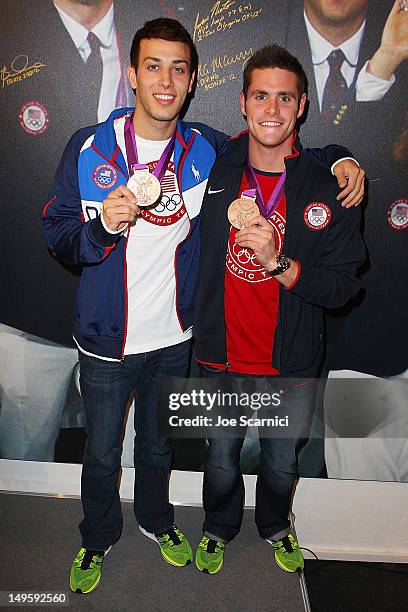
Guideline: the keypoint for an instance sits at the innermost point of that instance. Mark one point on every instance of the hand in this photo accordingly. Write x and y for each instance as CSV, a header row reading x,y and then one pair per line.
x,y
394,44
258,234
119,208
350,178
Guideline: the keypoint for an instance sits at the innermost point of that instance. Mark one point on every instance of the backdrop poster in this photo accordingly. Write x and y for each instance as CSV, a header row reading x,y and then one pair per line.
x,y
48,92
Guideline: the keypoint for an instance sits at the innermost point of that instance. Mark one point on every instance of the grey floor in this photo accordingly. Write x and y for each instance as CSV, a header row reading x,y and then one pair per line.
x,y
39,538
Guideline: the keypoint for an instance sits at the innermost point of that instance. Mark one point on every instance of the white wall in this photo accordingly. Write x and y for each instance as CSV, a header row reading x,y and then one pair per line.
x,y
347,520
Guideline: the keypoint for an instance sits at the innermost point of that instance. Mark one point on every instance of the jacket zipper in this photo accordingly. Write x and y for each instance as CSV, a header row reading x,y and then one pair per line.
x,y
113,163
179,172
122,357
281,290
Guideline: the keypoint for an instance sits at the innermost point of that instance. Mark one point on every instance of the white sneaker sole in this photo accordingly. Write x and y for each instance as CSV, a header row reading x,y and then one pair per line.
x,y
149,535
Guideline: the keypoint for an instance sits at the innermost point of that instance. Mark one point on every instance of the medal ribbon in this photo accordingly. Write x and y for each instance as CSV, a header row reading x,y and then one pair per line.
x,y
249,193
133,158
272,204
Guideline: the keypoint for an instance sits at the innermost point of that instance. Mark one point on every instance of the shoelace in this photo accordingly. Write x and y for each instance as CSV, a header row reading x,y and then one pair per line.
x,y
212,546
285,543
89,558
170,535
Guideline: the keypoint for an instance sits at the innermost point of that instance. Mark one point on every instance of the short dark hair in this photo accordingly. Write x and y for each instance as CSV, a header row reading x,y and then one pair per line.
x,y
274,56
166,29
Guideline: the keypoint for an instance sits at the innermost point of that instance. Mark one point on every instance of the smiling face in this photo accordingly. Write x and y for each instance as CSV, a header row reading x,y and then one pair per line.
x,y
272,107
162,82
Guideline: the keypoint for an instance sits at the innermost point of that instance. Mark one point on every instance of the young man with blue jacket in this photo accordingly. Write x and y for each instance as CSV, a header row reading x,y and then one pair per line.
x,y
134,309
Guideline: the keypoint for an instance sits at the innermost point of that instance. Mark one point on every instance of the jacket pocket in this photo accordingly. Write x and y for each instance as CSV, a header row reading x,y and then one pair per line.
x,y
302,338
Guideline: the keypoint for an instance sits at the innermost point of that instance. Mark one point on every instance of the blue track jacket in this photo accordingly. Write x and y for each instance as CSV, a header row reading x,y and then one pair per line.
x,y
93,165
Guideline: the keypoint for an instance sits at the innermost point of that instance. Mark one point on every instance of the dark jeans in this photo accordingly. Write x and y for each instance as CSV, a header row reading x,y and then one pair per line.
x,y
106,387
223,488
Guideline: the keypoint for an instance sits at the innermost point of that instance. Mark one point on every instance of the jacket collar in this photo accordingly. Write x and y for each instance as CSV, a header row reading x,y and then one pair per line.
x,y
238,146
105,138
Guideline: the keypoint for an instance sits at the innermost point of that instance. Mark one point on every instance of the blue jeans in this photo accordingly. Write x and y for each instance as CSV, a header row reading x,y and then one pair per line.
x,y
106,387
223,487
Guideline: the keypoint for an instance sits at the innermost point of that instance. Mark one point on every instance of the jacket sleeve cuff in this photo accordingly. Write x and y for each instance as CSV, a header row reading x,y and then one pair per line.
x,y
121,231
343,159
295,280
332,153
310,284
100,235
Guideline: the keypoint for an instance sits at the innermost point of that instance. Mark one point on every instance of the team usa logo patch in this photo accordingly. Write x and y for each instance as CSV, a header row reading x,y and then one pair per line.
x,y
33,118
317,215
242,262
170,208
397,215
105,176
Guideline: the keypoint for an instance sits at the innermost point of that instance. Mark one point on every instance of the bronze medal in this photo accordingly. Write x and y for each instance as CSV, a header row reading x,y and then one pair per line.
x,y
145,186
240,210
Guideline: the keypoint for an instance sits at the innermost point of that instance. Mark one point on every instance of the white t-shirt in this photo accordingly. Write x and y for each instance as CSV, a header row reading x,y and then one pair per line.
x,y
150,257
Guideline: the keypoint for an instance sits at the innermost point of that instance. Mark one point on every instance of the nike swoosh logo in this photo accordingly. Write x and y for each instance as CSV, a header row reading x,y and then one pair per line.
x,y
210,191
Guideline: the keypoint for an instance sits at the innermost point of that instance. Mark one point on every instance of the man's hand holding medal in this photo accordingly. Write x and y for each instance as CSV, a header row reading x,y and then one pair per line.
x,y
256,232
120,208
259,235
123,204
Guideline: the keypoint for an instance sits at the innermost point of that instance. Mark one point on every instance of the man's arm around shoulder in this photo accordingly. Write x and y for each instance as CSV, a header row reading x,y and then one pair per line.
x,y
346,169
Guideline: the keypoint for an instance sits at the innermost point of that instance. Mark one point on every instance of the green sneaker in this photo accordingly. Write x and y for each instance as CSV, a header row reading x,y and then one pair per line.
x,y
86,570
210,556
288,554
174,545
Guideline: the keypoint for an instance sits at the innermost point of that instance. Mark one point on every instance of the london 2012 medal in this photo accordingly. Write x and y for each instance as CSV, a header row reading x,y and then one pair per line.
x,y
145,186
241,210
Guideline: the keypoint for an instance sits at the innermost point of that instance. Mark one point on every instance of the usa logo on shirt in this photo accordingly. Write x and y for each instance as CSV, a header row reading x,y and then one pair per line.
x,y
105,176
317,215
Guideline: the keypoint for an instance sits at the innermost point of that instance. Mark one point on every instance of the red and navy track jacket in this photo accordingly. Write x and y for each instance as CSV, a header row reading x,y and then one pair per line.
x,y
329,259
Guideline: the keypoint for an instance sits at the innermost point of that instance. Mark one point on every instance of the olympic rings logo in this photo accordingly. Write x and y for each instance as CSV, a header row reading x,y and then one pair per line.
x,y
34,123
245,257
400,218
168,203
317,220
